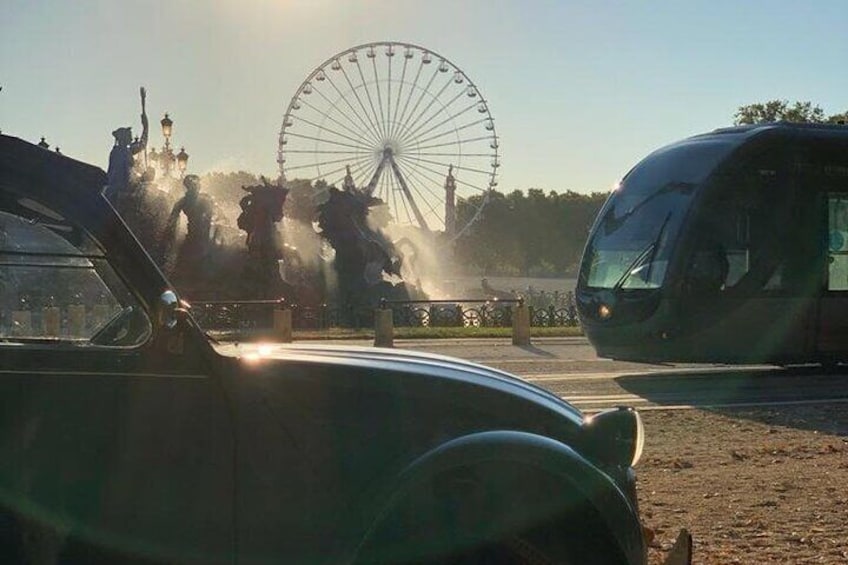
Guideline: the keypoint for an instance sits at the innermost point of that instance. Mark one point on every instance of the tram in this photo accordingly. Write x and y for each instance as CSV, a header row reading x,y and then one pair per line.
x,y
729,247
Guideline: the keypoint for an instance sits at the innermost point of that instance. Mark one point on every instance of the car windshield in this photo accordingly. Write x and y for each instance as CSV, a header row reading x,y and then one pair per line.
x,y
632,238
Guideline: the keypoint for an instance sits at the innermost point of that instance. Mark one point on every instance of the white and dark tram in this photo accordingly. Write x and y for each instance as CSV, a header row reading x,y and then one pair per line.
x,y
731,246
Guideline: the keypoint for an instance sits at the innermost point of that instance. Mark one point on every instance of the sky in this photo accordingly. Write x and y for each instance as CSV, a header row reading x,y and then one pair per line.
x,y
579,90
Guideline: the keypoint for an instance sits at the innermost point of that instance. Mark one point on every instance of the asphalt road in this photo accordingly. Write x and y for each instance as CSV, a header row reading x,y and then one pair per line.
x,y
570,368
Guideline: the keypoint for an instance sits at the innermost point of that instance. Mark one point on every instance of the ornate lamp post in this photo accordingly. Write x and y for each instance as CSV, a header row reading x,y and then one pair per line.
x,y
182,161
166,158
167,125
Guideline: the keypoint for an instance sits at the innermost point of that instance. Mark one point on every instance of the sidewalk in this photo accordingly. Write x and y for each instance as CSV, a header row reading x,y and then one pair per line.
x,y
493,349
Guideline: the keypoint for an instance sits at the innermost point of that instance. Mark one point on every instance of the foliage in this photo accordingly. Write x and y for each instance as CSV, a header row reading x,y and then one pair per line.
x,y
226,187
782,110
536,234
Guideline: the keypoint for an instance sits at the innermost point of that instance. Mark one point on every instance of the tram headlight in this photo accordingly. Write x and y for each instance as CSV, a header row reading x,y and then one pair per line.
x,y
616,436
604,311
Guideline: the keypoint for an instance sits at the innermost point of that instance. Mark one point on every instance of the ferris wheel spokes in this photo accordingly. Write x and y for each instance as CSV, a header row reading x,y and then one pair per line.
x,y
328,130
365,133
474,187
374,126
393,122
393,129
415,126
432,101
405,118
399,121
442,123
380,125
379,95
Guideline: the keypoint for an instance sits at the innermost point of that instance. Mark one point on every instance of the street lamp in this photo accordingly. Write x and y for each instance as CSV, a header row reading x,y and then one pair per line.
x,y
166,158
167,125
182,161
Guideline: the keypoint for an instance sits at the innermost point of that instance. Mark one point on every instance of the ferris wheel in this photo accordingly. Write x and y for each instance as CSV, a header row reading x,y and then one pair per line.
x,y
400,123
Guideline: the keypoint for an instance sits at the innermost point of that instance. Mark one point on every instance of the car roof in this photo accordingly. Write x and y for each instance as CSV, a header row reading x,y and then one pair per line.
x,y
50,177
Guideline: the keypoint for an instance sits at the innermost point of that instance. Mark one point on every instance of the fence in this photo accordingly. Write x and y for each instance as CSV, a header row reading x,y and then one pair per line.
x,y
78,321
73,321
256,315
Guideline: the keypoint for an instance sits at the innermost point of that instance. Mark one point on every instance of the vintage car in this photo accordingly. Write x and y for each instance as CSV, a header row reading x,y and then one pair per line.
x,y
128,435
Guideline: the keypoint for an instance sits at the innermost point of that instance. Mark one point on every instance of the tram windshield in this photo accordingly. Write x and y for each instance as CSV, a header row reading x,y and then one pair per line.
x,y
631,241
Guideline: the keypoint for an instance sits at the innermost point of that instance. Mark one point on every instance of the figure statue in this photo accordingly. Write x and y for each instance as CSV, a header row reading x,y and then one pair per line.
x,y
364,256
199,210
261,210
121,158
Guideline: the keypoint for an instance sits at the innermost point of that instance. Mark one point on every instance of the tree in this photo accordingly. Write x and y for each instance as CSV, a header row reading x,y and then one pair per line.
x,y
781,110
537,234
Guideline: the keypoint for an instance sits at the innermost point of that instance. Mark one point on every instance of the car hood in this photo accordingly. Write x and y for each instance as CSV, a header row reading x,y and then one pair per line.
x,y
411,364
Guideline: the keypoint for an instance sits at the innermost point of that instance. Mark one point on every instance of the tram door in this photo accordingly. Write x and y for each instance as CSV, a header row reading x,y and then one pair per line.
x,y
833,311
761,302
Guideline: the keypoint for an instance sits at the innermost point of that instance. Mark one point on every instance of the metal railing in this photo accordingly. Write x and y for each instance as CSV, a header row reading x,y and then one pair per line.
x,y
251,315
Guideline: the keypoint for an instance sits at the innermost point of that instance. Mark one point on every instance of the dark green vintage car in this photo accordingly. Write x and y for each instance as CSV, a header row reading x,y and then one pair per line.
x,y
128,435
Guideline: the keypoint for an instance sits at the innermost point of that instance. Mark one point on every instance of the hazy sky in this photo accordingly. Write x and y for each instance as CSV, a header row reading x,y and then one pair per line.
x,y
579,90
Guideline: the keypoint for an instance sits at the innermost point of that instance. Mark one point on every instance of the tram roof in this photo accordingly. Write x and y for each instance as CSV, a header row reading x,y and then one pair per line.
x,y
745,132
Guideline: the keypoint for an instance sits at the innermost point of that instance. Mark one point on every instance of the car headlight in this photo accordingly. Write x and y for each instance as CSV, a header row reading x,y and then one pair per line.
x,y
615,436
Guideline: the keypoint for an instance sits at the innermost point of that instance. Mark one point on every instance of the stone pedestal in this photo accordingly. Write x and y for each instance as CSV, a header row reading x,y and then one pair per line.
x,y
283,325
384,328
521,325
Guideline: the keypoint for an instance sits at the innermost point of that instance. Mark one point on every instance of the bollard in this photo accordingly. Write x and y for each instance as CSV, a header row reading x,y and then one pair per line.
x,y
22,323
384,328
76,321
521,324
50,317
283,324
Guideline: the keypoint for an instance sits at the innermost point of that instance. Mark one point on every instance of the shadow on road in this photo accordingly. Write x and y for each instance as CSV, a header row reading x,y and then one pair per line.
x,y
538,352
794,397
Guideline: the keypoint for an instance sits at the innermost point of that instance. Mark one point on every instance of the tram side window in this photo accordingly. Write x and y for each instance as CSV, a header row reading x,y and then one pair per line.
x,y
823,171
738,252
746,226
837,208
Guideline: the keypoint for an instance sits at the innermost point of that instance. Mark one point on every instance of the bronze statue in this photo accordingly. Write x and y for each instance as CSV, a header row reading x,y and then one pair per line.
x,y
261,210
121,158
199,209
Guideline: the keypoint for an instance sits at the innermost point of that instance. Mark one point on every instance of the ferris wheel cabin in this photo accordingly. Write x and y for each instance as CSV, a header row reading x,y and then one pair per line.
x,y
731,246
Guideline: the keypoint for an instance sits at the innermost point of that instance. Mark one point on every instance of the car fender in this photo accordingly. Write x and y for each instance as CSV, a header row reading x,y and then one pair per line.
x,y
548,455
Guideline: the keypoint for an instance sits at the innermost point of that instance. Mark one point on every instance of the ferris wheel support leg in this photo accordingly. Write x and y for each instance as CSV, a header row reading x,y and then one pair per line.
x,y
419,217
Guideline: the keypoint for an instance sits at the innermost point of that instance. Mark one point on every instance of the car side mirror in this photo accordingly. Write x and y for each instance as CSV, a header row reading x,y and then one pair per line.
x,y
169,310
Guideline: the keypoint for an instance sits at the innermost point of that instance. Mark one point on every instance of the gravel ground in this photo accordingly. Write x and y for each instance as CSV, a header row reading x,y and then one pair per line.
x,y
752,486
